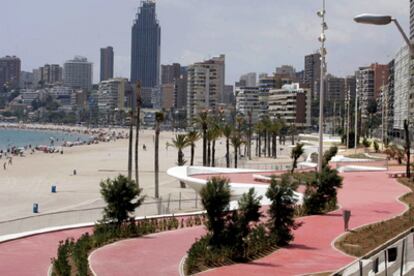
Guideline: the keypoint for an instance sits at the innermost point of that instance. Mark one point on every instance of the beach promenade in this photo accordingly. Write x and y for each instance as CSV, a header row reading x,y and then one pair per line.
x,y
371,197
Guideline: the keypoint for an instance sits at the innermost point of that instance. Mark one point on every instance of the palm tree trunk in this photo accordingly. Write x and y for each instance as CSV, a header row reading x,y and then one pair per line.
x,y
192,154
235,157
208,153
181,163
228,152
204,146
156,161
130,147
213,154
260,145
274,142
268,144
137,142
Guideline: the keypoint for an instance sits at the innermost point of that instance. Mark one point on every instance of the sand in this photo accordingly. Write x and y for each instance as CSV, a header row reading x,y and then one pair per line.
x,y
30,178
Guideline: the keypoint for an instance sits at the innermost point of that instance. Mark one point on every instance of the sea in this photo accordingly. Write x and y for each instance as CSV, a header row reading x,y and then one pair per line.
x,y
21,138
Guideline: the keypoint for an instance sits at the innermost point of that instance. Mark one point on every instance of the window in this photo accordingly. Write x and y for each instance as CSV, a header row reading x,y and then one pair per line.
x,y
392,254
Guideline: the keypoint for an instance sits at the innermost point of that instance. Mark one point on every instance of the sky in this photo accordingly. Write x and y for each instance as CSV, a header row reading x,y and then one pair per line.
x,y
255,35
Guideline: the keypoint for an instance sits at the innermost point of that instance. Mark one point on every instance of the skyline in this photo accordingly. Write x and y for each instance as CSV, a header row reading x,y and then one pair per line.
x,y
247,44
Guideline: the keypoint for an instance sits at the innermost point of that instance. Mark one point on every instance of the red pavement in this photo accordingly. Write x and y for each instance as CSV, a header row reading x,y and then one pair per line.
x,y
371,197
157,254
32,255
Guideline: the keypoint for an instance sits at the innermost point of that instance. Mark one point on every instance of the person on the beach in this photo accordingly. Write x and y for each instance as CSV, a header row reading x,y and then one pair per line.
x,y
11,161
5,165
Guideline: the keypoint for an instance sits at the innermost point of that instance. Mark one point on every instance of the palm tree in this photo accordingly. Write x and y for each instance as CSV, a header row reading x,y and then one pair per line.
x,y
249,135
180,142
274,130
227,131
214,134
292,131
259,130
202,121
236,141
131,123
192,138
295,154
159,118
138,102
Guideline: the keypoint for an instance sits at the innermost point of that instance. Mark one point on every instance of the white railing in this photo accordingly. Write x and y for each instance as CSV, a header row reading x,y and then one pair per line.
x,y
395,257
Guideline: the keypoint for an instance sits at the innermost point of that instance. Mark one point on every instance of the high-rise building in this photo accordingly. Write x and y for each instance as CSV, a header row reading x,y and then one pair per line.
x,y
112,95
229,95
170,72
401,88
286,71
10,67
180,91
312,74
248,100
411,19
107,63
48,74
248,80
78,73
292,104
26,80
205,87
167,96
335,91
146,45
380,77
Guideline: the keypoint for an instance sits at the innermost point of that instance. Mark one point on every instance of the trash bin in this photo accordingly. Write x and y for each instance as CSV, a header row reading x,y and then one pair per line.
x,y
35,208
53,189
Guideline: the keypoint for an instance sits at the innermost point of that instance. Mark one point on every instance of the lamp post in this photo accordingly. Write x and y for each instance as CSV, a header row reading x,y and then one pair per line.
x,y
322,39
375,19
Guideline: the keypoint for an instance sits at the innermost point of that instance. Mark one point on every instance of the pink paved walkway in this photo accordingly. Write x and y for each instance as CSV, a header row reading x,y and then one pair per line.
x,y
152,255
370,196
32,255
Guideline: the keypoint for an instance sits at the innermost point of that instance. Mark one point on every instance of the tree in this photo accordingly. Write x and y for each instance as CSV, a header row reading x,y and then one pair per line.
x,y
275,130
227,132
215,197
214,134
327,157
180,142
407,147
281,210
137,125
202,121
236,141
122,197
242,223
130,137
192,138
159,118
321,191
295,154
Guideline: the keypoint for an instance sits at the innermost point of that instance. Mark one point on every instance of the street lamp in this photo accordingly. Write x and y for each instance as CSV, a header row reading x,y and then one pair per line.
x,y
322,40
375,19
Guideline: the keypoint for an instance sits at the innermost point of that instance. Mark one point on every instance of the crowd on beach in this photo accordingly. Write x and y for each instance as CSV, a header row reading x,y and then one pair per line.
x,y
95,136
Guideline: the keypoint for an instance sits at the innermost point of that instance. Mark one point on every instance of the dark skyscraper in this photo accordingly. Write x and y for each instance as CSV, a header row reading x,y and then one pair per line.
x,y
9,72
107,63
146,43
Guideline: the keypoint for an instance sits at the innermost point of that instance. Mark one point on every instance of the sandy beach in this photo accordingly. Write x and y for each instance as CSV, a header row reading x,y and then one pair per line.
x,y
29,179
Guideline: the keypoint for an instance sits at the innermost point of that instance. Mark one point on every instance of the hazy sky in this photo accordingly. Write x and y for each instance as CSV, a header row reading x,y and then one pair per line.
x,y
255,35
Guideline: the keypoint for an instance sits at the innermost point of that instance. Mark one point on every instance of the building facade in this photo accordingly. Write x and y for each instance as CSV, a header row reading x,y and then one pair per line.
x,y
248,100
78,73
205,86
146,46
292,104
312,73
49,74
10,67
401,87
170,72
107,63
111,95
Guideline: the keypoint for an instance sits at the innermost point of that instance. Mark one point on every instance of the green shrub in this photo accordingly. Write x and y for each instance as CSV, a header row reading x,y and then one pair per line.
x,y
366,143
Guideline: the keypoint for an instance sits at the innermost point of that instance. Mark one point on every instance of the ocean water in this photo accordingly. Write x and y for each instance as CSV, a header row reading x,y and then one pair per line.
x,y
21,138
